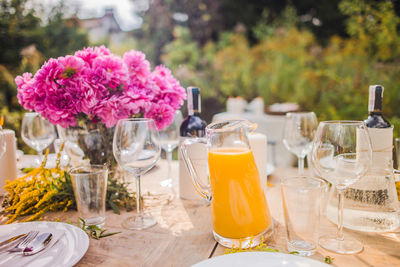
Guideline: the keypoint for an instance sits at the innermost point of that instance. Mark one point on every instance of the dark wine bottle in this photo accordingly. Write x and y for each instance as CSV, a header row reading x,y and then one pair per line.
x,y
193,125
380,131
375,118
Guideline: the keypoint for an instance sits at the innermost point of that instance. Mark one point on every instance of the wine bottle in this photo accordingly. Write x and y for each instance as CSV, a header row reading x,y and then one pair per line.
x,y
371,204
375,118
380,130
192,126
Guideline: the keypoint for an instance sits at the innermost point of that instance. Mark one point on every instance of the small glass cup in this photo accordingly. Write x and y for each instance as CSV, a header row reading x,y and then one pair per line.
x,y
302,199
90,188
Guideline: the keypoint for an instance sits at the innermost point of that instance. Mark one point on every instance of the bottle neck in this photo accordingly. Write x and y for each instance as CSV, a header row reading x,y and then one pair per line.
x,y
193,101
375,100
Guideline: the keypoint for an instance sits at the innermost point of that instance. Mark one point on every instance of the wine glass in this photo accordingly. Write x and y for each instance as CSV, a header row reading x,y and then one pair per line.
x,y
169,139
341,153
299,132
37,132
136,147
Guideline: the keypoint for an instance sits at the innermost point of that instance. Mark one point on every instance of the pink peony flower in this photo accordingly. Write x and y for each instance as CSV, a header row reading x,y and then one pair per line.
x,y
90,53
113,109
138,66
26,91
108,71
60,108
70,66
170,91
102,86
161,113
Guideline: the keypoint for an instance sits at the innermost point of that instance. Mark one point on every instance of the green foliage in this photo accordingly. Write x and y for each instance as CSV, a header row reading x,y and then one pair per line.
x,y
25,42
61,36
375,25
94,231
287,63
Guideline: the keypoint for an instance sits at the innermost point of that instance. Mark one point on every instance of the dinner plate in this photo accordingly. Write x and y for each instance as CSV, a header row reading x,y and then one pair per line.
x,y
69,249
259,259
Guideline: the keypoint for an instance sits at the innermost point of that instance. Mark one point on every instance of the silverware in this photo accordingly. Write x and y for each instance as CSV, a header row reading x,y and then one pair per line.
x,y
38,244
11,242
21,246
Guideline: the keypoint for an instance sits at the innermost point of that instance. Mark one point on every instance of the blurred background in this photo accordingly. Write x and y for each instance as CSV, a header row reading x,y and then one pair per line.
x,y
321,55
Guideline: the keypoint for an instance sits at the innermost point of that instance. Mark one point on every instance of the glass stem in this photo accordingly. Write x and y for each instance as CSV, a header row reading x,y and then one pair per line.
x,y
301,165
340,213
139,203
40,154
169,158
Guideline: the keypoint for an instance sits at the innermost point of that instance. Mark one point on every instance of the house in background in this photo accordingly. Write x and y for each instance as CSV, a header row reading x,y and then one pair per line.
x,y
105,28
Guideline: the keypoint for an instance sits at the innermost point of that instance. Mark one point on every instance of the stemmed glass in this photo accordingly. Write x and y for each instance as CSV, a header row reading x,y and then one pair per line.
x,y
341,153
299,132
136,147
37,132
169,138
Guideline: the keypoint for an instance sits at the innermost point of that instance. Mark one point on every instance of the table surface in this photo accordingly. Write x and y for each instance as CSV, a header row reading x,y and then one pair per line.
x,y
183,234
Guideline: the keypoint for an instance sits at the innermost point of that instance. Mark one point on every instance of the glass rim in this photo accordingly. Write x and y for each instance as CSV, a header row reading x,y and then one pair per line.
x,y
284,181
31,113
233,124
299,112
136,119
99,169
343,122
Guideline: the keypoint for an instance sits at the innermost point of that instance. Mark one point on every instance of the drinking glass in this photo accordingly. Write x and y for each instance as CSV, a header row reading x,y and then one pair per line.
x,y
37,132
90,188
169,139
136,147
299,132
301,199
341,153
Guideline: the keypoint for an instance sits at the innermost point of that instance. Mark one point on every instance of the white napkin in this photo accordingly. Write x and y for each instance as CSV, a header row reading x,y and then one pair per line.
x,y
17,259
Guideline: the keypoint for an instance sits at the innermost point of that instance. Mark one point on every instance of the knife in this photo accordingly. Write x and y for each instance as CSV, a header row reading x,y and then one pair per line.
x,y
11,242
38,244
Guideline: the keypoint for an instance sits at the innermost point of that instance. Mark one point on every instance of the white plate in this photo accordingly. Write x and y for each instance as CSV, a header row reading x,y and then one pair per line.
x,y
260,259
66,252
270,169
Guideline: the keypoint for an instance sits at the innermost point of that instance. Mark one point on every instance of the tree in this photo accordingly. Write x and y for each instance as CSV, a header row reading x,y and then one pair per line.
x,y
25,42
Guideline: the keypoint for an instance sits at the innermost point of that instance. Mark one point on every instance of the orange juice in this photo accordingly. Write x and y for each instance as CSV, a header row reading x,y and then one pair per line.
x,y
239,206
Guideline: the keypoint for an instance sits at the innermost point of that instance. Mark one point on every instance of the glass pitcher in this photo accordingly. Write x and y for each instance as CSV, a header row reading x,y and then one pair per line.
x,y
240,212
371,204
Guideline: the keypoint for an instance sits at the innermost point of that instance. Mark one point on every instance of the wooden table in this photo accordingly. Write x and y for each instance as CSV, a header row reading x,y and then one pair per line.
x,y
183,235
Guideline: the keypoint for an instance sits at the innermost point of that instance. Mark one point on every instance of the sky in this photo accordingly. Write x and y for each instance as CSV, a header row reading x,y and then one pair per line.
x,y
124,10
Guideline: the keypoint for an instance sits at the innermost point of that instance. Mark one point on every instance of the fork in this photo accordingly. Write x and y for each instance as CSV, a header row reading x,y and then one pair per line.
x,y
21,246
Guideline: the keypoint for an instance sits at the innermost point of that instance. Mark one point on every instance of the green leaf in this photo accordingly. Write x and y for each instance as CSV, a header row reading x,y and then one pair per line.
x,y
329,259
109,234
114,206
94,231
83,223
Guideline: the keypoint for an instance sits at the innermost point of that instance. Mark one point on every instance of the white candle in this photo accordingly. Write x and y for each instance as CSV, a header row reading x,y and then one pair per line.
x,y
8,162
258,144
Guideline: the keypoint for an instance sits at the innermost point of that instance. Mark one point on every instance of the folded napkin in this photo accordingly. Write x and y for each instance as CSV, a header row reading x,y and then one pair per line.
x,y
17,259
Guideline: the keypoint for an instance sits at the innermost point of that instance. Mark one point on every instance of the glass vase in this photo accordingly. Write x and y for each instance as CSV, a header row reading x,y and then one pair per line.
x,y
89,143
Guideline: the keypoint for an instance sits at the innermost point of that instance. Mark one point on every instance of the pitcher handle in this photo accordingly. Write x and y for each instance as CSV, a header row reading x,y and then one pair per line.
x,y
202,190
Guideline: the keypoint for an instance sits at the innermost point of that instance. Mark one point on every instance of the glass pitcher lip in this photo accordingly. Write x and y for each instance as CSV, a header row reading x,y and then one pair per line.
x,y
342,122
230,125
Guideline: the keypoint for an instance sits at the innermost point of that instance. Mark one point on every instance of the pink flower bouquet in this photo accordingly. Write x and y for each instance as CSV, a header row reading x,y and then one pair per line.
x,y
97,86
